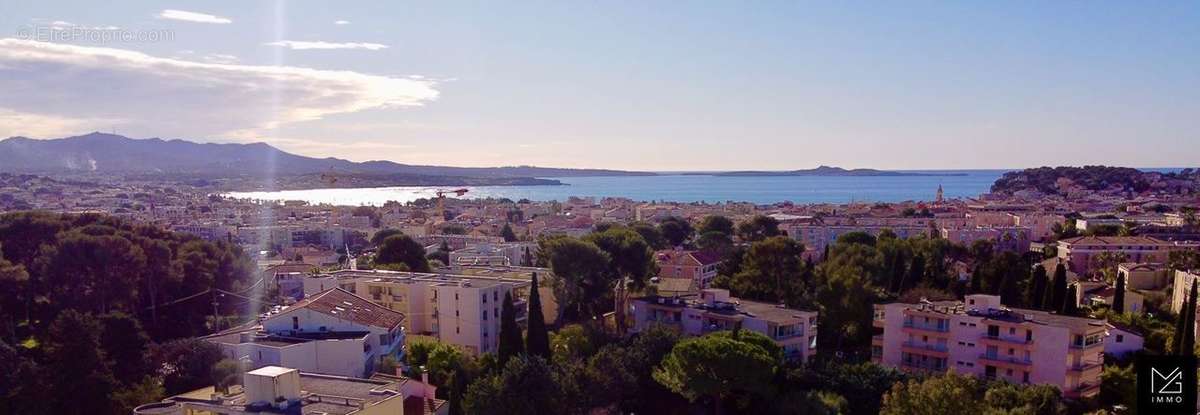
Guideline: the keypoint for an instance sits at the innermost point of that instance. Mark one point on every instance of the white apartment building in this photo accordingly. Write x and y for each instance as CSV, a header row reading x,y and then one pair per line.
x,y
334,332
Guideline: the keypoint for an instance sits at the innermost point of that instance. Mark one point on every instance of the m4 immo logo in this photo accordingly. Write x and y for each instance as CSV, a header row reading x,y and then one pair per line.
x,y
1166,384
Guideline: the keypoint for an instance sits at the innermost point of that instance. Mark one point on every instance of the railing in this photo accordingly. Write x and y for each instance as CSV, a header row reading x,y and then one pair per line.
x,y
1087,345
1006,339
926,346
923,367
927,327
1083,367
1005,359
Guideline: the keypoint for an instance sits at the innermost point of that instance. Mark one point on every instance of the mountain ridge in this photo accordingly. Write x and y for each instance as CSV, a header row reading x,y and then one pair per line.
x,y
110,153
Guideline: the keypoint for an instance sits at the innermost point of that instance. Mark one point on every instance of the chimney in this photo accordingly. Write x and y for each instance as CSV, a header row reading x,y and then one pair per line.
x,y
429,388
399,371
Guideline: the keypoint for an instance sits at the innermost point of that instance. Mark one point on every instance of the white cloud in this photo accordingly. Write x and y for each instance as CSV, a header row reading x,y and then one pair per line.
x,y
341,22
303,45
186,16
219,58
179,98
65,25
17,123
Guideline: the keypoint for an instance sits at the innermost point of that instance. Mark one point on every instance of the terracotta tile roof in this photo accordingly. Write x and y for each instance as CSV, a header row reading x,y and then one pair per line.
x,y
342,304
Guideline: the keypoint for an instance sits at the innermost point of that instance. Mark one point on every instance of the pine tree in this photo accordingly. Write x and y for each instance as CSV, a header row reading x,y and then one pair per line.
x,y
1058,290
1069,307
1118,304
537,340
510,333
1037,293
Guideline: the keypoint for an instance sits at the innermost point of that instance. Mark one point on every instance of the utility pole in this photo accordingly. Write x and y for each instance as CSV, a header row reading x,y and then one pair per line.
x,y
216,322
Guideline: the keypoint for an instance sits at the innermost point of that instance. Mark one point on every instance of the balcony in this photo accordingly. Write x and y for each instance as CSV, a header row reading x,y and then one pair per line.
x,y
926,347
1005,359
927,327
1007,340
1083,390
1087,346
877,340
1086,367
925,367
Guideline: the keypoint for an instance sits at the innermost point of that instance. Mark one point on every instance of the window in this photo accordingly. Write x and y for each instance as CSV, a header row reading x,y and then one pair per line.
x,y
495,296
1028,335
1012,331
1120,338
1025,377
483,298
383,339
295,323
485,313
989,371
993,331
495,312
1008,372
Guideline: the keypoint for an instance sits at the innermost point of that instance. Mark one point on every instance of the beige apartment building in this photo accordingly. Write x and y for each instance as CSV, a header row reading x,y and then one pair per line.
x,y
982,337
714,310
457,309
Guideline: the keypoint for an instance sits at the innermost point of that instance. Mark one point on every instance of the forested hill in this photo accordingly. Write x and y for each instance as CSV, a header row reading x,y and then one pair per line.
x,y
1063,180
76,322
115,154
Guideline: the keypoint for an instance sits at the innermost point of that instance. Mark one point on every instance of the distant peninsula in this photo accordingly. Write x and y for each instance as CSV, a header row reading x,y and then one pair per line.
x,y
828,171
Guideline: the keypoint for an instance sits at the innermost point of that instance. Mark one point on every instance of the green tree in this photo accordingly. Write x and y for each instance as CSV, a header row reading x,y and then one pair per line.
x,y
1118,386
1118,304
76,364
630,264
188,364
1058,290
225,374
771,270
675,230
716,223
1070,305
507,233
126,344
402,249
378,238
1037,292
526,385
582,280
758,228
947,394
916,273
649,232
716,367
537,338
714,242
511,343
1187,346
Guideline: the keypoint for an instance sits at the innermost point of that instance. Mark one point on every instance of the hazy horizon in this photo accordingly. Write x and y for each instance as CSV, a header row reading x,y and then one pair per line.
x,y
712,87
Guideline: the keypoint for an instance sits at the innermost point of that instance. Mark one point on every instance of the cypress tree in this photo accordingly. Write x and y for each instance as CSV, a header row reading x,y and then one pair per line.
x,y
916,271
537,340
1069,308
1180,324
1188,347
458,389
1058,291
510,333
1037,295
1118,304
897,275
977,279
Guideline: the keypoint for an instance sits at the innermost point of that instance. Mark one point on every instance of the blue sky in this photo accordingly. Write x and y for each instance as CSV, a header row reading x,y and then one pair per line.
x,y
631,85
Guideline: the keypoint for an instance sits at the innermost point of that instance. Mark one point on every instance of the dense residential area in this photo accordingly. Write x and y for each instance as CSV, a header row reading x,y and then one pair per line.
x,y
154,298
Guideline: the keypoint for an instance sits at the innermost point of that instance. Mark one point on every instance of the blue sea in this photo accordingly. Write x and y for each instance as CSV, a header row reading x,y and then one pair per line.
x,y
684,188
